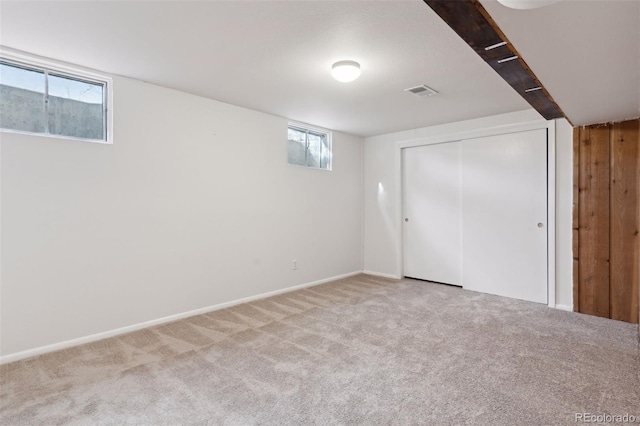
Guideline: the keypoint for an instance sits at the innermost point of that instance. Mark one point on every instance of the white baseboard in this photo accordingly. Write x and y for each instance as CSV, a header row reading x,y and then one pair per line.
x,y
564,307
128,329
381,274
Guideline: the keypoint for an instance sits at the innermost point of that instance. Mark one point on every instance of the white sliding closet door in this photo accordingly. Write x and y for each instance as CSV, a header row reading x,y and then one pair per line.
x,y
504,215
433,213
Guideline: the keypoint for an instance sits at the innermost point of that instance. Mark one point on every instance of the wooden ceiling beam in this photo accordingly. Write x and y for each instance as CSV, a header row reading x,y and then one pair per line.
x,y
478,29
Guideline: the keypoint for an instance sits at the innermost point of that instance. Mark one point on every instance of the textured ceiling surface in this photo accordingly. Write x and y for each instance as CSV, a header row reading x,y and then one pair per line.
x,y
276,57
586,53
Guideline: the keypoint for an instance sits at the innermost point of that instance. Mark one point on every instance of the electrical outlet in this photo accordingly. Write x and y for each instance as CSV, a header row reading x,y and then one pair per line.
x,y
294,266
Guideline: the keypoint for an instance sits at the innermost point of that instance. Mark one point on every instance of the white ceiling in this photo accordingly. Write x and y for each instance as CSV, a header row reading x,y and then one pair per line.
x,y
275,56
586,53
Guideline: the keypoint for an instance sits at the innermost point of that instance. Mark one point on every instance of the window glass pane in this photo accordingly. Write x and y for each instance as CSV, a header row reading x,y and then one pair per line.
x,y
314,150
325,157
76,108
22,99
297,135
309,148
297,147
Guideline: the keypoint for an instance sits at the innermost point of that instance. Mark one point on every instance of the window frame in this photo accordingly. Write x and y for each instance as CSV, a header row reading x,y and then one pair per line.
x,y
314,130
72,72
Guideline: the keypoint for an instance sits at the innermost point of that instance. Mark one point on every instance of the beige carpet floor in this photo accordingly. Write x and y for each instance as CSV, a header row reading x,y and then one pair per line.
x,y
362,350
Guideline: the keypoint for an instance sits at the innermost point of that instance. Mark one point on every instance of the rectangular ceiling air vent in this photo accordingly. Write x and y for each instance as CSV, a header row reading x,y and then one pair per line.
x,y
421,91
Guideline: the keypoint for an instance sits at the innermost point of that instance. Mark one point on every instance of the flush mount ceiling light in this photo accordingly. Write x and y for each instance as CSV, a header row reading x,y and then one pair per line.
x,y
345,71
526,4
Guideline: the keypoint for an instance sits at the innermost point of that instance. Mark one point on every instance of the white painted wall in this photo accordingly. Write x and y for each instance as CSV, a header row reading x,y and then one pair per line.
x,y
382,245
193,205
564,215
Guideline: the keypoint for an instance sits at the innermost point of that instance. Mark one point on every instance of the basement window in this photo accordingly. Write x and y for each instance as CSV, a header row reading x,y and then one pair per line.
x,y
45,101
309,147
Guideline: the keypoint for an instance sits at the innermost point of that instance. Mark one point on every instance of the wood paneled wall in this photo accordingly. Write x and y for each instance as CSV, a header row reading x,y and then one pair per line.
x,y
606,220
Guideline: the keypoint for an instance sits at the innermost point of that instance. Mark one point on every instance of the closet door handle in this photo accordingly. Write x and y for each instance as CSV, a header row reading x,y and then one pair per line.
x,y
540,225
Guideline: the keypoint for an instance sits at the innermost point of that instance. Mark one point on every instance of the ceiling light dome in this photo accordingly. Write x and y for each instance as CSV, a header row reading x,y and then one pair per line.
x,y
345,71
526,4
